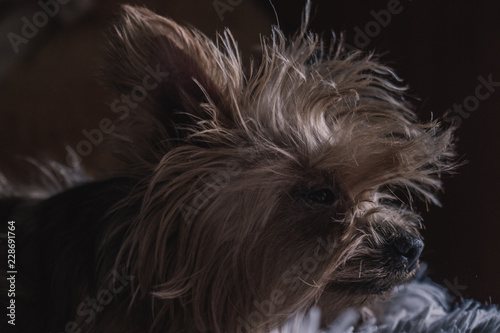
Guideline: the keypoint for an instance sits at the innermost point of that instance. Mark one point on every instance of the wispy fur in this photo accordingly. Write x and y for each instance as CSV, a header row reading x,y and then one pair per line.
x,y
219,165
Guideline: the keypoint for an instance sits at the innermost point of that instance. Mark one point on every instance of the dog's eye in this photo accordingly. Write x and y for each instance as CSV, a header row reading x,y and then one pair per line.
x,y
322,196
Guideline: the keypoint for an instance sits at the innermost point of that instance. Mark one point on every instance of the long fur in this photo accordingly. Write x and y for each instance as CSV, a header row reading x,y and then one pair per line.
x,y
209,217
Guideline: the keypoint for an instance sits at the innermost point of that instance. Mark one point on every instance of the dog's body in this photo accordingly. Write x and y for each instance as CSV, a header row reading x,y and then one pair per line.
x,y
47,247
244,199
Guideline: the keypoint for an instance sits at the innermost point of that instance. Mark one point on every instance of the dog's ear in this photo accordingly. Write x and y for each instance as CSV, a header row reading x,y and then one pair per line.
x,y
169,74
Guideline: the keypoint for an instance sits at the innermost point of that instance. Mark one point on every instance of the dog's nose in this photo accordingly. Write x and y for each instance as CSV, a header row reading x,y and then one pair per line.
x,y
409,249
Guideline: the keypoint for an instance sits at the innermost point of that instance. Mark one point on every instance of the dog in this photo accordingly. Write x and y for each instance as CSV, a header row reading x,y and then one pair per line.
x,y
243,197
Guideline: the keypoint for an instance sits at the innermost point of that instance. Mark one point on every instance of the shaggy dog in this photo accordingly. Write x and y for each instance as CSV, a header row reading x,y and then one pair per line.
x,y
245,197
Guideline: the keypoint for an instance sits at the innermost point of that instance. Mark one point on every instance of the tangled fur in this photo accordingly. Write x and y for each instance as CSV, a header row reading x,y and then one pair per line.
x,y
245,198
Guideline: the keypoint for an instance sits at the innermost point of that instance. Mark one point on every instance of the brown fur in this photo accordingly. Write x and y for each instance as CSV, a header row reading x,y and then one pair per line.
x,y
218,228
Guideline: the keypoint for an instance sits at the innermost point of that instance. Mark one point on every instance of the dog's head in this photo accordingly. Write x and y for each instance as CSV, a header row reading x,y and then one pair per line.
x,y
265,193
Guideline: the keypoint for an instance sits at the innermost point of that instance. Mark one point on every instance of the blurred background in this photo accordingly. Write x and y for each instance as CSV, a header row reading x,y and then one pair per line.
x,y
448,52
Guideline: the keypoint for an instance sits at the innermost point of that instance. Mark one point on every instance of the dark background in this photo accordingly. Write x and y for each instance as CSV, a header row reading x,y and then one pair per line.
x,y
49,93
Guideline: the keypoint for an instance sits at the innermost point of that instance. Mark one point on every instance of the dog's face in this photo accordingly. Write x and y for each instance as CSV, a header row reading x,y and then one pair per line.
x,y
267,193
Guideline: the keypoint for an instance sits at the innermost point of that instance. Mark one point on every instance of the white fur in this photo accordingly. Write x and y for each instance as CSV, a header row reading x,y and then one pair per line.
x,y
420,306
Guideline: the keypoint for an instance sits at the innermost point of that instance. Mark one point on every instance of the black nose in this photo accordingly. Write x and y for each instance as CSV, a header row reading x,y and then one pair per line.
x,y
409,249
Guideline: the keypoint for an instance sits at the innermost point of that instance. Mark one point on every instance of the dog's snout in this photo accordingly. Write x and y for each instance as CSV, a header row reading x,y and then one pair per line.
x,y
409,249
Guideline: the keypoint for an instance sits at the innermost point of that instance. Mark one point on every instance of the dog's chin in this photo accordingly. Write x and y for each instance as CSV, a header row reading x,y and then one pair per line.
x,y
397,277
360,290
380,284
